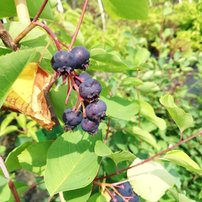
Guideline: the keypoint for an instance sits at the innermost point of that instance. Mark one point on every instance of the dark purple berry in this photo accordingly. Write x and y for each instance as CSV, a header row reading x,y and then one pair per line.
x,y
81,56
81,78
125,189
96,110
90,89
71,118
63,62
117,198
89,126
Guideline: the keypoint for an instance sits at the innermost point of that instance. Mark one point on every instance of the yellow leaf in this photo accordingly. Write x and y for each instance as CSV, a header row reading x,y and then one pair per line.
x,y
27,95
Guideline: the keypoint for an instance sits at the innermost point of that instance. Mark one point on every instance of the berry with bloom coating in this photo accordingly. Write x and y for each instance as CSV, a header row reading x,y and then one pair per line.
x,y
81,57
96,110
89,126
90,89
81,78
71,118
63,62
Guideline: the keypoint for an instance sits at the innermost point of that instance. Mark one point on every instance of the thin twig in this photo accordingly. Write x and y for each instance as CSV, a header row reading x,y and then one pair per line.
x,y
36,17
31,25
152,157
6,38
79,24
10,182
50,33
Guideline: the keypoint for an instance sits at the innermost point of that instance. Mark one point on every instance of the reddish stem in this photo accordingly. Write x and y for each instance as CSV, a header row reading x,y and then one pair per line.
x,y
152,157
10,182
79,24
69,90
50,33
40,10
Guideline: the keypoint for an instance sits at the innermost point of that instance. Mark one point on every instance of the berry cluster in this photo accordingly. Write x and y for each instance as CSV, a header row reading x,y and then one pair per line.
x,y
126,194
88,111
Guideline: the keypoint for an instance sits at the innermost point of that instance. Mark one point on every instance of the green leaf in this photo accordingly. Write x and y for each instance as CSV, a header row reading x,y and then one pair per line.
x,y
182,159
182,119
131,81
11,66
71,162
33,158
148,87
148,112
118,157
78,195
183,198
150,180
143,135
120,108
102,55
132,9
102,149
98,197
140,56
8,8
12,162
8,129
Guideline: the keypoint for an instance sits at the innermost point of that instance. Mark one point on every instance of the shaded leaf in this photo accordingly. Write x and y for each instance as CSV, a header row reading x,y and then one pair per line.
x,y
12,162
143,135
33,157
98,197
181,118
78,195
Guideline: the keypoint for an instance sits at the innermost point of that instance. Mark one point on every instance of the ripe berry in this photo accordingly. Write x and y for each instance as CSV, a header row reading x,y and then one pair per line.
x,y
81,78
81,56
89,126
96,110
71,118
127,191
63,62
90,89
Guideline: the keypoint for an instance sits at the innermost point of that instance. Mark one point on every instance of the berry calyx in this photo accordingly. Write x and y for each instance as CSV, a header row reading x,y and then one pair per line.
x,y
81,57
96,110
90,89
71,118
89,126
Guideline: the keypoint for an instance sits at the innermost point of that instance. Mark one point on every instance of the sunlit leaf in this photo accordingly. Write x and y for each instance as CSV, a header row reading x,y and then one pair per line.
x,y
147,110
27,95
102,149
118,157
181,118
130,9
182,159
71,162
150,180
